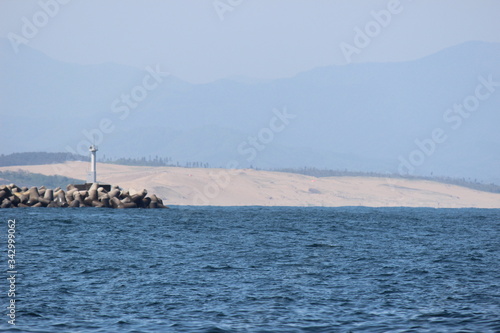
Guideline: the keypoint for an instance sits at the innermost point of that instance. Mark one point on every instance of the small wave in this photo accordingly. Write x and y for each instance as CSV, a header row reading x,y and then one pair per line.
x,y
61,325
323,245
444,314
279,298
215,268
417,271
97,270
65,221
70,250
30,314
65,291
215,329
317,329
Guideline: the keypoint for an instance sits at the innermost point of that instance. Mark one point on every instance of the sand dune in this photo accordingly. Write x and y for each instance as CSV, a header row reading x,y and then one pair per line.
x,y
219,187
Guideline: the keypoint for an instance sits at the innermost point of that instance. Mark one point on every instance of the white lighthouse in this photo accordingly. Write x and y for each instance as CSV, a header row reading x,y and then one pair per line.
x,y
92,176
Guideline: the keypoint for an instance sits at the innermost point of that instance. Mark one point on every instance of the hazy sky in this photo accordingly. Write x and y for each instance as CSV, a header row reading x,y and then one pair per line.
x,y
256,38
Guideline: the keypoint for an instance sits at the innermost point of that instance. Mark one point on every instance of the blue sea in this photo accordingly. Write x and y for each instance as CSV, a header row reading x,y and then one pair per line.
x,y
254,269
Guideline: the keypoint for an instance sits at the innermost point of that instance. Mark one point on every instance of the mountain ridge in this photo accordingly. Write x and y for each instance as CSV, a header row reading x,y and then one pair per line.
x,y
359,116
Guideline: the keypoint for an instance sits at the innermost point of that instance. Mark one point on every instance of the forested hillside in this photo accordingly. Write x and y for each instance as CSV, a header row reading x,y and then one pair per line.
x,y
28,179
35,158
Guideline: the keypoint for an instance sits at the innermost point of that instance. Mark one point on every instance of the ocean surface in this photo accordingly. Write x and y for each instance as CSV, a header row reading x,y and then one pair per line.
x,y
254,269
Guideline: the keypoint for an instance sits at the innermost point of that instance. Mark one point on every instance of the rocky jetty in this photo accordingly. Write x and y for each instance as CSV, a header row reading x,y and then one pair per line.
x,y
96,196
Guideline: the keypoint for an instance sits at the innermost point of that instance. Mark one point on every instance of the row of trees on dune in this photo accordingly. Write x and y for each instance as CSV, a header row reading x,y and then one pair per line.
x,y
469,183
41,158
37,158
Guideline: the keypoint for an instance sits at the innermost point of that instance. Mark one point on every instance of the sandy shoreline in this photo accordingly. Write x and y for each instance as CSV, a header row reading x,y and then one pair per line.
x,y
247,187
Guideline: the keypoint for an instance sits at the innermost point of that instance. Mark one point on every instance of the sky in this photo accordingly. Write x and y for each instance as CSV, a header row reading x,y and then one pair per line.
x,y
201,41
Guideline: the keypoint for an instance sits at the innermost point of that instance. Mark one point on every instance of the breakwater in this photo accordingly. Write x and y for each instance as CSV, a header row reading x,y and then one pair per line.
x,y
95,196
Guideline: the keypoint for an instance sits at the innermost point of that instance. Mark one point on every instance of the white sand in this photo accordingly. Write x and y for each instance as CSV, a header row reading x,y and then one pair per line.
x,y
219,187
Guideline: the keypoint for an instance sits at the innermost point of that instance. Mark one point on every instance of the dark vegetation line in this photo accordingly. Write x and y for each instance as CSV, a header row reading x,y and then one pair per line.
x,y
156,161
23,178
39,158
469,183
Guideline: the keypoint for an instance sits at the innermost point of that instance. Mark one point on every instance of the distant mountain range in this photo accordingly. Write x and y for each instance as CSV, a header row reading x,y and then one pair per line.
x,y
361,117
